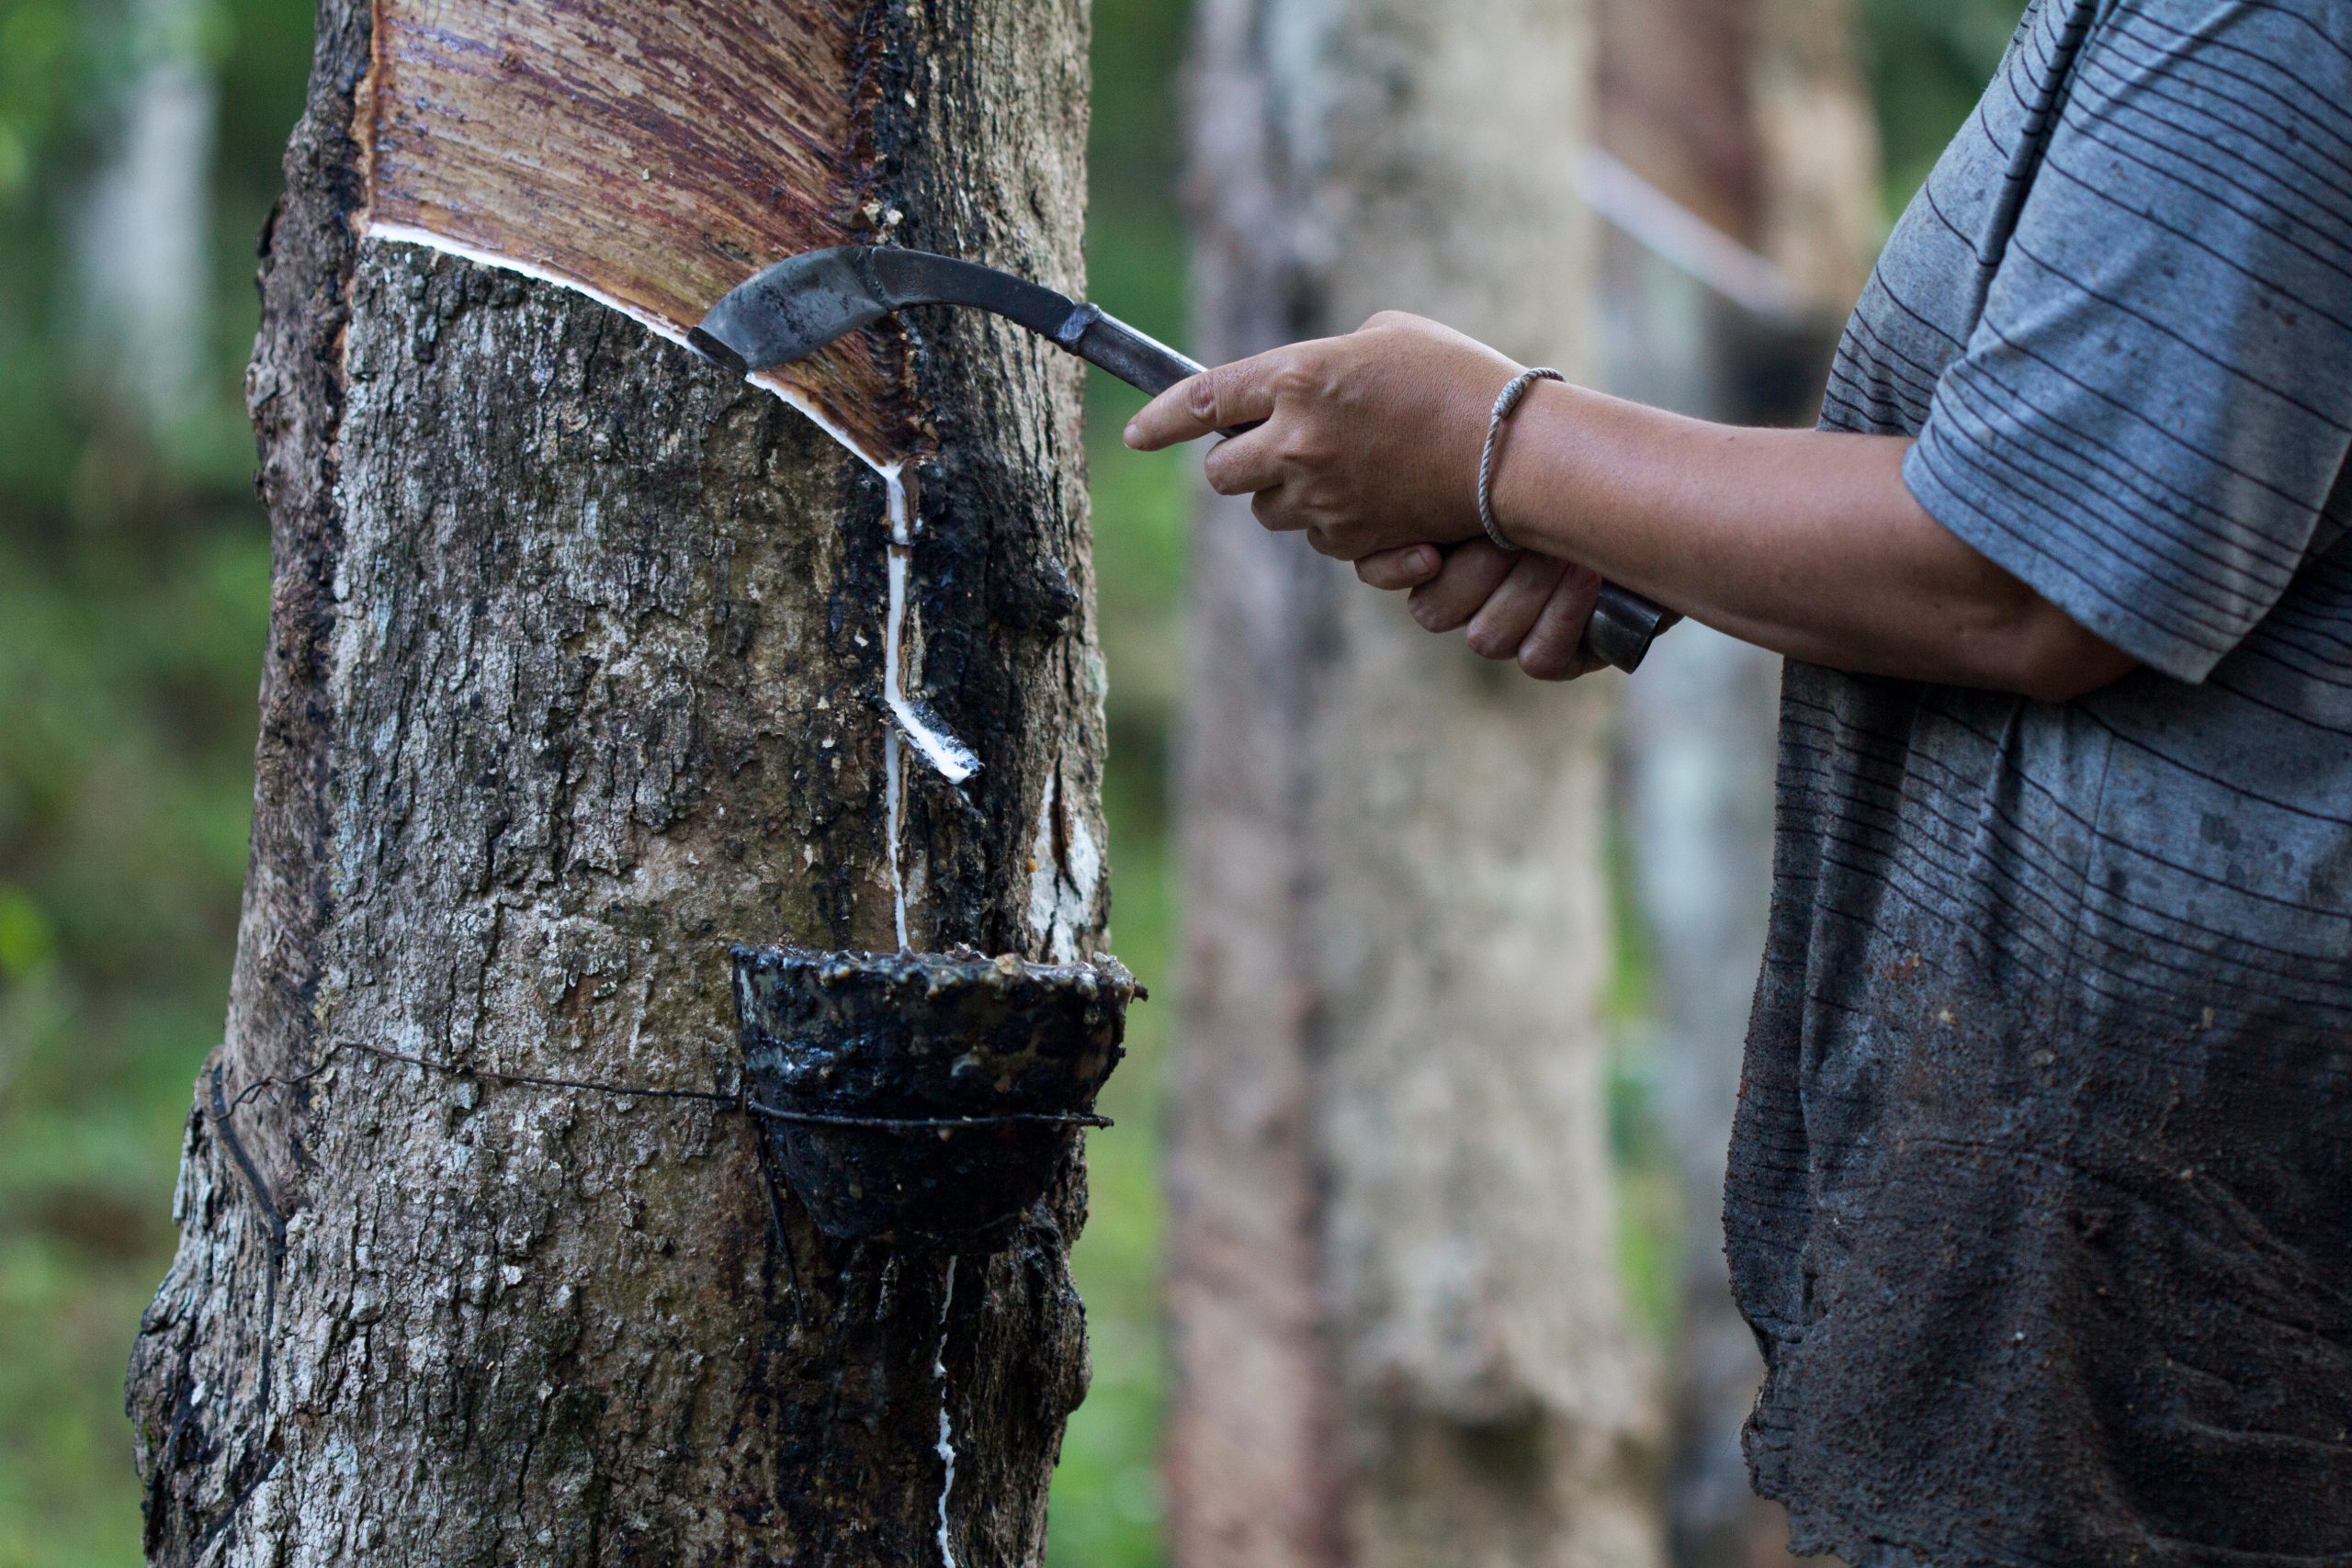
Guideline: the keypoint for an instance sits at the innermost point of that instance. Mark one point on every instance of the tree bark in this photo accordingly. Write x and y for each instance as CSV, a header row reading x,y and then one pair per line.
x,y
1396,1328
574,678
1749,114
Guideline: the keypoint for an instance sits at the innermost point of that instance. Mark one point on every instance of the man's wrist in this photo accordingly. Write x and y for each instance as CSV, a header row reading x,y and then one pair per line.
x,y
1521,486
1505,404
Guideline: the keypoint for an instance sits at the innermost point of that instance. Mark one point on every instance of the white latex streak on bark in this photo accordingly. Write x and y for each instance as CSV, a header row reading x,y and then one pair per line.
x,y
1065,879
953,759
658,326
894,792
947,1449
950,757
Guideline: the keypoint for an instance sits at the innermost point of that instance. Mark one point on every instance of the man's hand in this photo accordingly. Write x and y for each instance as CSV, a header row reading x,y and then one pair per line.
x,y
1370,441
1809,543
1370,446
1525,606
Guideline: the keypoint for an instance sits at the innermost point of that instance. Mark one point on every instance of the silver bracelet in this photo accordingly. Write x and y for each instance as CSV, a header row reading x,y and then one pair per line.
x,y
1506,400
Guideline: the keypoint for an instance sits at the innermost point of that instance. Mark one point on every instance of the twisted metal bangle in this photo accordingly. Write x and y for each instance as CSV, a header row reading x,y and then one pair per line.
x,y
1505,401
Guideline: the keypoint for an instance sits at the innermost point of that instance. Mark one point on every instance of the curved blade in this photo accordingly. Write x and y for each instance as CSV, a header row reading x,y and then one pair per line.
x,y
796,307
804,302
789,310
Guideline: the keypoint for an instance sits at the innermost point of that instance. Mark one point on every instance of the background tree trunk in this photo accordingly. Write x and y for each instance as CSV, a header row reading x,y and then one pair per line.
x,y
1396,1326
574,679
1747,116
143,248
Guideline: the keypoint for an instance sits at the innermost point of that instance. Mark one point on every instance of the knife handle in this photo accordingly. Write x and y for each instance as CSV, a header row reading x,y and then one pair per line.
x,y
1624,624
1137,358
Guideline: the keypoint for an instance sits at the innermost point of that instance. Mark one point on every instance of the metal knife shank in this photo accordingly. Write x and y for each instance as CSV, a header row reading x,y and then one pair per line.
x,y
796,307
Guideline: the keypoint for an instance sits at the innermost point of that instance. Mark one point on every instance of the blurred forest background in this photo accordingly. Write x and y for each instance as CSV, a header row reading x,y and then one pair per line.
x,y
134,577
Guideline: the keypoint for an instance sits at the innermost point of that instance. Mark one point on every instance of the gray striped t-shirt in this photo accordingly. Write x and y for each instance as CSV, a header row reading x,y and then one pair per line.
x,y
2040,1195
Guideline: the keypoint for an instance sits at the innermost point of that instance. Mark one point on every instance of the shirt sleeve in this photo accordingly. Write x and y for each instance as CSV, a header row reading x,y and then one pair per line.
x,y
2150,424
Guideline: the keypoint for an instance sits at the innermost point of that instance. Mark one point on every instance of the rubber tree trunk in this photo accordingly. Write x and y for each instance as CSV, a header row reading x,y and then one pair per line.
x,y
1396,1328
1749,114
574,678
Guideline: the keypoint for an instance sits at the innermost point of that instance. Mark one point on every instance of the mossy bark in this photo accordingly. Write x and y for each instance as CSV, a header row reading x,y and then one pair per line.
x,y
573,680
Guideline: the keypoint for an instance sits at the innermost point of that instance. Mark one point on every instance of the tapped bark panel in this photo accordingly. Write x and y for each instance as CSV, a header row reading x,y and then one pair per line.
x,y
652,155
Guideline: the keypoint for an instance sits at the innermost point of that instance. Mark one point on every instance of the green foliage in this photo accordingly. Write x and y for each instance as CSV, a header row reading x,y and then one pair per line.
x,y
1105,1505
134,586
43,57
1928,61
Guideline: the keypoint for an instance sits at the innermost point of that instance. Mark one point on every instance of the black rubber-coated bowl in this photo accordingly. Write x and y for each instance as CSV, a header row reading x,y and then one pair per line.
x,y
926,1095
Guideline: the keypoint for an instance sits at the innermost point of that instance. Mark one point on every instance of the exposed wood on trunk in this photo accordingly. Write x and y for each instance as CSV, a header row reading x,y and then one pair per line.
x,y
654,156
1397,1333
1749,113
574,677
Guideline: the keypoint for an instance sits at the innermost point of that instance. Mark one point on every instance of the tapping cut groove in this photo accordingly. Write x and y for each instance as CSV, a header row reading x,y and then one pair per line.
x,y
650,157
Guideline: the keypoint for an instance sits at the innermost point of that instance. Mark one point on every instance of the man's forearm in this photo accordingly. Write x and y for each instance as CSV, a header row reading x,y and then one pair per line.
x,y
1804,542
1807,544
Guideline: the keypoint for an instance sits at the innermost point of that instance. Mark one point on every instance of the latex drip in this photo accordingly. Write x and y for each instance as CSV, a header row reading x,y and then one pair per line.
x,y
949,756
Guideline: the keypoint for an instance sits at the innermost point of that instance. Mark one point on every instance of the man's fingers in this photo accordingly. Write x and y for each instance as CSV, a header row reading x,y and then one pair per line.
x,y
1471,573
1242,465
1217,398
1526,606
1509,613
1554,647
1271,508
1396,570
